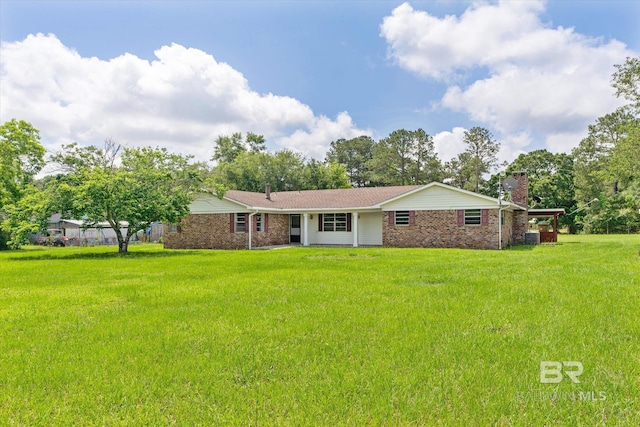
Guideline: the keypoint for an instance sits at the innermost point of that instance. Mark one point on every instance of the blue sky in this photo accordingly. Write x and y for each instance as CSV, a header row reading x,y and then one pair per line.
x,y
305,73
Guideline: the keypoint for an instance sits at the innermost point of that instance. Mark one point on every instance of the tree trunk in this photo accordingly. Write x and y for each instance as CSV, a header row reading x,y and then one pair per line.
x,y
123,242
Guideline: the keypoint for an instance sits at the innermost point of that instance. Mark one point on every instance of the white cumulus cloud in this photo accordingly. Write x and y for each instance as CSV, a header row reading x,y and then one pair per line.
x,y
449,144
182,100
526,78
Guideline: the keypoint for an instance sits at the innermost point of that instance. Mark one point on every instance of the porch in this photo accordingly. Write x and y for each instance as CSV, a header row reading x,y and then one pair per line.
x,y
337,228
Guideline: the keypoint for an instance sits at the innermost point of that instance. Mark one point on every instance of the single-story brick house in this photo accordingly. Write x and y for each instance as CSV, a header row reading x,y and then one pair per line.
x,y
432,215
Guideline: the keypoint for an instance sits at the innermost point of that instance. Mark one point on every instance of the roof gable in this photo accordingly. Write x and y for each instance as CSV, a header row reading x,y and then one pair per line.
x,y
439,196
204,203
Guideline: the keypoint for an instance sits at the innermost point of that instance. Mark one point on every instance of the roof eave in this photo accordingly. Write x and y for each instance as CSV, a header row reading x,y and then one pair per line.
x,y
237,202
312,210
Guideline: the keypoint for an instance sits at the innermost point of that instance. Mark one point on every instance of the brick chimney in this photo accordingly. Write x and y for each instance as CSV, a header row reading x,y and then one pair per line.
x,y
267,191
520,196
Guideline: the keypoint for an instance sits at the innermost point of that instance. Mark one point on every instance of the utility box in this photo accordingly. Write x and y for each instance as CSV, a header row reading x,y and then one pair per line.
x,y
531,238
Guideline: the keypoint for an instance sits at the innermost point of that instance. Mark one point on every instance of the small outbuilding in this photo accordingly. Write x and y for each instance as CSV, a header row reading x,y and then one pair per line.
x,y
548,232
78,233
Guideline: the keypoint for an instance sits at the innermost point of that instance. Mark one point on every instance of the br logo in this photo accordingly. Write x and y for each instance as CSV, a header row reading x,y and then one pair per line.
x,y
551,371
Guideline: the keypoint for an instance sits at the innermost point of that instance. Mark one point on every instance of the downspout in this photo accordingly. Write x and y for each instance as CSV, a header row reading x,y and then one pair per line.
x,y
499,222
251,228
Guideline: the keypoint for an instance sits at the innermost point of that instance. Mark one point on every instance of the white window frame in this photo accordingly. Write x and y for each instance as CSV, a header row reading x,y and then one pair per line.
x,y
240,223
258,219
334,222
402,218
473,217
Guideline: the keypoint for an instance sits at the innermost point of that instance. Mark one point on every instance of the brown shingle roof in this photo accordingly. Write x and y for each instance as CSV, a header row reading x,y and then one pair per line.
x,y
320,199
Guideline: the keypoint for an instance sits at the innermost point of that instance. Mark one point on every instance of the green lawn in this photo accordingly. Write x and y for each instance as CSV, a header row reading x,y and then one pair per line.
x,y
321,336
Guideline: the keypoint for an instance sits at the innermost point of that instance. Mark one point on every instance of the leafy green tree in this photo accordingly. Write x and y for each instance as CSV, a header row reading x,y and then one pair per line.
x,y
593,176
626,81
256,143
355,155
228,148
607,161
405,157
482,150
283,170
459,171
613,214
73,157
27,215
392,158
550,180
625,157
21,158
128,188
247,172
320,176
426,166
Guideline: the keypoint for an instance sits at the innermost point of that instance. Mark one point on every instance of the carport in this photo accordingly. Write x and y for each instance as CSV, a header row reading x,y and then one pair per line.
x,y
547,236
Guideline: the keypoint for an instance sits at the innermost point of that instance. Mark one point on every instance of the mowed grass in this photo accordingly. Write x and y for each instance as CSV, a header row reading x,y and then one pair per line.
x,y
321,336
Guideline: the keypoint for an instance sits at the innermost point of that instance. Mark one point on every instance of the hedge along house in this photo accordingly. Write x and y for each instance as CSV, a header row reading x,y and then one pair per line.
x,y
432,215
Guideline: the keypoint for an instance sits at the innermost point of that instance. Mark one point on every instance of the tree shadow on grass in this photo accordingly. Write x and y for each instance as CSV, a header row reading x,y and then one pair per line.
x,y
519,248
62,255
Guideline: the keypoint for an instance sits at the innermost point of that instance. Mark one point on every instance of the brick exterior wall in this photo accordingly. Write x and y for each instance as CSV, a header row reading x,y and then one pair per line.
x,y
520,226
507,229
440,229
212,231
277,233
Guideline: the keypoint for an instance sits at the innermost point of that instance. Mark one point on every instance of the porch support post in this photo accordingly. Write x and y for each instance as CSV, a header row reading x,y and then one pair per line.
x,y
305,227
354,228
